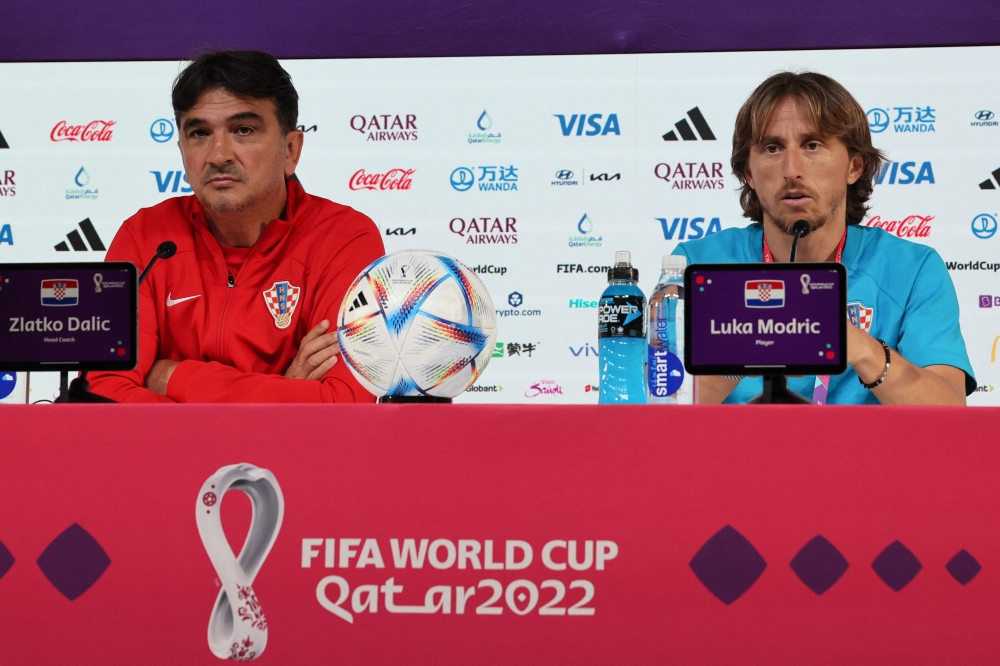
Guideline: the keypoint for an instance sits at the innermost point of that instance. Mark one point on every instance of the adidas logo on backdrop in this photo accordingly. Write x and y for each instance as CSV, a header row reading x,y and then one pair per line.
x,y
991,184
684,129
89,232
3,141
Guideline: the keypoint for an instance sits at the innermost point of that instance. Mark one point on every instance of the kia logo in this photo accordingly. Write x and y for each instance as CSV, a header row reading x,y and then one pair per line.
x,y
564,174
462,178
984,115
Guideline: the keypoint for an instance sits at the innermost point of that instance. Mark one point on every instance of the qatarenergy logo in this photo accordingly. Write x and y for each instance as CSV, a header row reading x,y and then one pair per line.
x,y
972,266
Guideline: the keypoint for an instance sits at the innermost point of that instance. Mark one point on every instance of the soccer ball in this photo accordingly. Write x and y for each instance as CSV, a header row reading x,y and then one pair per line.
x,y
417,323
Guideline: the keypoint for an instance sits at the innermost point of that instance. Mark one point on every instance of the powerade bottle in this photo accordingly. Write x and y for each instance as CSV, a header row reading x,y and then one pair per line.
x,y
665,367
621,335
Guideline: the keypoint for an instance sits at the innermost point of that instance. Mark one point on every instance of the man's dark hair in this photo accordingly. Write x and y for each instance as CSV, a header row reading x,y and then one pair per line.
x,y
834,113
248,74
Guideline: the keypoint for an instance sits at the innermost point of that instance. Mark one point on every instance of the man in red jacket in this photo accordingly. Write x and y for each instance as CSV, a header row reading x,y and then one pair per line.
x,y
245,311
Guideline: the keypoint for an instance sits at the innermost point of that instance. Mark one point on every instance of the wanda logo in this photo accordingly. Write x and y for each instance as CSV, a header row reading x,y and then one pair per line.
x,y
914,226
95,130
393,179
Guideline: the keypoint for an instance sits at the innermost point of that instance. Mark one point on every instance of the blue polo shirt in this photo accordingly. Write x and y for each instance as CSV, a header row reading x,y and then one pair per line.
x,y
897,290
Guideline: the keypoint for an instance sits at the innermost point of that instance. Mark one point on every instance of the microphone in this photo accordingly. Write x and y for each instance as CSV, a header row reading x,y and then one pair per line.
x,y
799,230
165,250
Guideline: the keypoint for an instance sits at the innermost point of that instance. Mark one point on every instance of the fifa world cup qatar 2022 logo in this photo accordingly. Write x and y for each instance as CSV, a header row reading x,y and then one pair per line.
x,y
237,628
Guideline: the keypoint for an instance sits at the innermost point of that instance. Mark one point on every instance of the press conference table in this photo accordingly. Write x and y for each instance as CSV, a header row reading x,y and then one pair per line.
x,y
556,534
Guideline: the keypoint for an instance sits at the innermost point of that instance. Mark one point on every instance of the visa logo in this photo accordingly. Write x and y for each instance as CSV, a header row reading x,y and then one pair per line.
x,y
593,124
163,183
6,235
904,171
688,229
765,293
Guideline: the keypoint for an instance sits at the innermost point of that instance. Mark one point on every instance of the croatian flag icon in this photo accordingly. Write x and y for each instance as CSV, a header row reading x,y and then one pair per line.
x,y
765,293
60,292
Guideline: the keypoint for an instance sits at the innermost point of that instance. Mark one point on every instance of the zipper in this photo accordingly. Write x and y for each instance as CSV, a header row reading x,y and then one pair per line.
x,y
232,281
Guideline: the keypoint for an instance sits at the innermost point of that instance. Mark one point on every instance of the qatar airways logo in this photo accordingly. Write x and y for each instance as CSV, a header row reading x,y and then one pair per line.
x,y
95,130
912,226
393,179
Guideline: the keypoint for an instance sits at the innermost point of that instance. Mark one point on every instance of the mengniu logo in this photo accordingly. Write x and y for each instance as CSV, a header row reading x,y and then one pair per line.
x,y
984,226
89,232
386,127
594,124
688,228
94,131
911,226
991,183
162,130
172,181
6,235
684,129
3,142
907,119
490,178
485,230
984,118
393,179
81,191
485,124
8,187
691,175
901,173
400,231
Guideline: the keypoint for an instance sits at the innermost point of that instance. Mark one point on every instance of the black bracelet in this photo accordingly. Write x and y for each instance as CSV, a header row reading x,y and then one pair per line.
x,y
884,372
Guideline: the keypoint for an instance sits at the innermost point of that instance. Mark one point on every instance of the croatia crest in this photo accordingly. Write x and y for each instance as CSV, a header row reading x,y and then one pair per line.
x,y
861,316
765,293
60,292
281,300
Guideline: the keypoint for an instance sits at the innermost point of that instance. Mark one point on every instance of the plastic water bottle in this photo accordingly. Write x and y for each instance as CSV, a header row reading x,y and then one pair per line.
x,y
621,335
665,365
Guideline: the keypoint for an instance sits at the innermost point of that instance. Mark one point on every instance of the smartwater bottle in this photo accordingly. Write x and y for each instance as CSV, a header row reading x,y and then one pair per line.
x,y
621,335
665,365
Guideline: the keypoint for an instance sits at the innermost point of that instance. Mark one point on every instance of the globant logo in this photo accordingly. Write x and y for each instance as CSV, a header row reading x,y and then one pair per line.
x,y
386,127
162,130
491,178
172,181
984,388
478,388
95,130
7,186
6,235
697,175
515,300
485,230
688,229
393,179
984,118
972,266
489,269
581,302
593,124
904,171
580,268
585,226
912,226
484,135
543,387
908,119
82,179
984,226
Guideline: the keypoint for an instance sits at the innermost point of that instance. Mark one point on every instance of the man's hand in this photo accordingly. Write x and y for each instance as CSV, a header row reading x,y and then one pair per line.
x,y
317,354
159,375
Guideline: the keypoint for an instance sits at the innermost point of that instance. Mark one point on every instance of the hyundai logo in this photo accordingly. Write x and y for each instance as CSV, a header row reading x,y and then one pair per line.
x,y
878,120
984,225
984,115
565,174
462,178
161,130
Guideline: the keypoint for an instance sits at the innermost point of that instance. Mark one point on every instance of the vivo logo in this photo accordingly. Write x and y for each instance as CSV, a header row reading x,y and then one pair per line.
x,y
585,350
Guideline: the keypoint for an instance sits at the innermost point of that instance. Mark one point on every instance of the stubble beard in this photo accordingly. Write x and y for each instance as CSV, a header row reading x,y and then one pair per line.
x,y
815,222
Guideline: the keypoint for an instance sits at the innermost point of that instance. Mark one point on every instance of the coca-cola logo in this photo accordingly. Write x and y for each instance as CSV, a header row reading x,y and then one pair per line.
x,y
913,226
95,130
393,179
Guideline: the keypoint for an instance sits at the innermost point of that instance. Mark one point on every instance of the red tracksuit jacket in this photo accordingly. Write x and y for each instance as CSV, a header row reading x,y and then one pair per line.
x,y
228,330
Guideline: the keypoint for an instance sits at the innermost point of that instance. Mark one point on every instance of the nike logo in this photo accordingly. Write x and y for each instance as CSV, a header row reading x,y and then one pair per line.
x,y
171,302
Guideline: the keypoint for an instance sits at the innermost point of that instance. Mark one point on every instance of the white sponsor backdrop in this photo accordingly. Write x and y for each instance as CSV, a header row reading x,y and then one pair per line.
x,y
549,339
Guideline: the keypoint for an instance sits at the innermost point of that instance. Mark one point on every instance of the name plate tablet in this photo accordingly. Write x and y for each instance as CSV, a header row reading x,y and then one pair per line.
x,y
69,316
754,319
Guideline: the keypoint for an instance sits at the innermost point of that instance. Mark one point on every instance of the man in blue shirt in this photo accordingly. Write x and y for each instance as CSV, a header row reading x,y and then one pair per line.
x,y
802,150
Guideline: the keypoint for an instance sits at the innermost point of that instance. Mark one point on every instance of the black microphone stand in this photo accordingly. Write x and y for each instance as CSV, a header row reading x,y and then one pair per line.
x,y
776,391
79,388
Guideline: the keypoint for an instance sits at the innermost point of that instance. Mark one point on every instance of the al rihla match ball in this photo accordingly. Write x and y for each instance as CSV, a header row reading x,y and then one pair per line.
x,y
417,322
